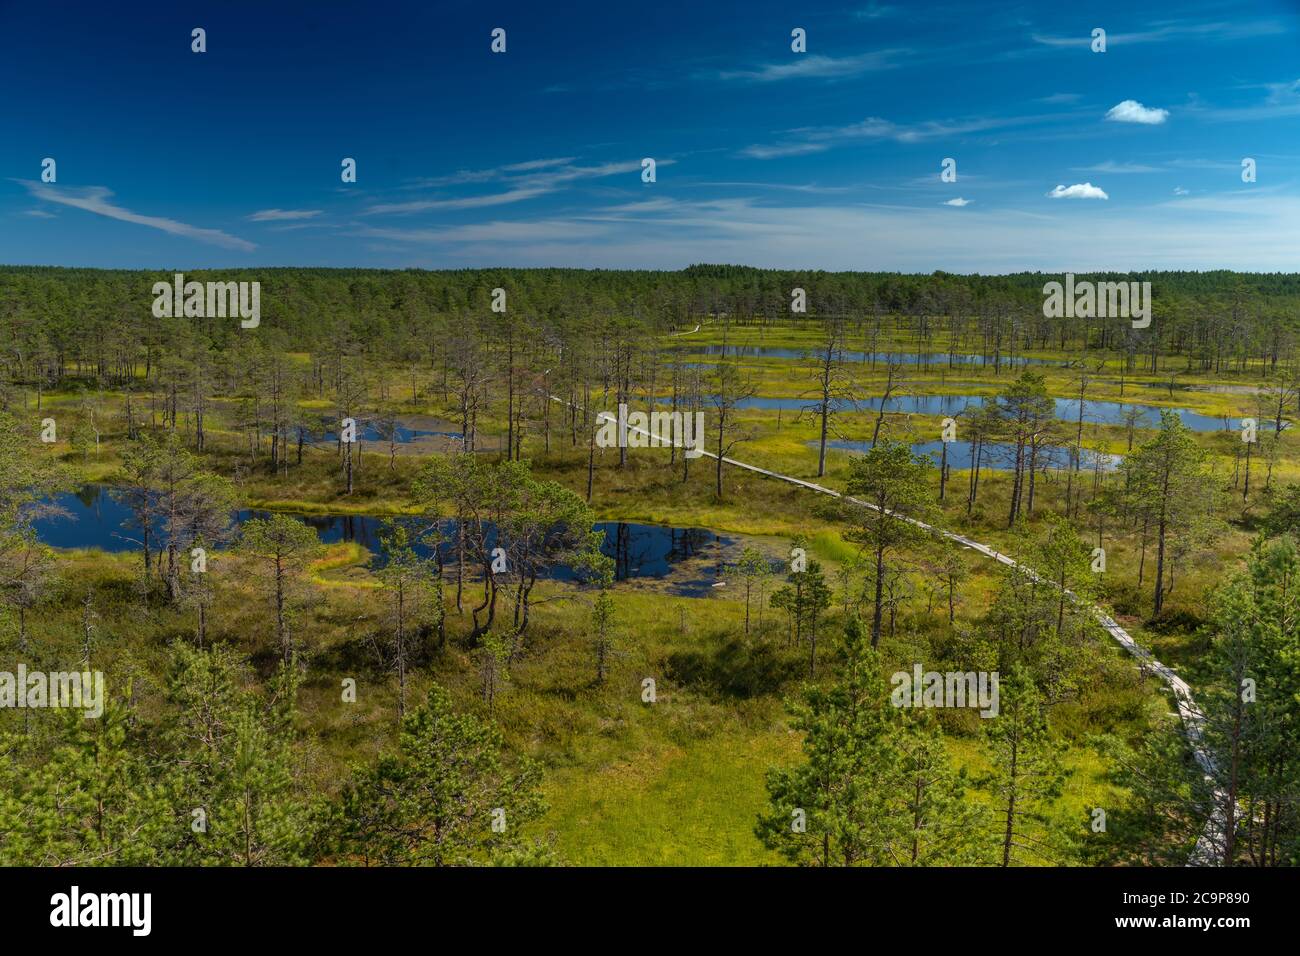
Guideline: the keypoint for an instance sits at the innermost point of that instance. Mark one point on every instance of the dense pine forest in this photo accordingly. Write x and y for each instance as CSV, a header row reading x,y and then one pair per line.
x,y
1220,322
367,586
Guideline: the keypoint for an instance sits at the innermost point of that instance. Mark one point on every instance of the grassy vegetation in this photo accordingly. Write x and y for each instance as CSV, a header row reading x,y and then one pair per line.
x,y
679,781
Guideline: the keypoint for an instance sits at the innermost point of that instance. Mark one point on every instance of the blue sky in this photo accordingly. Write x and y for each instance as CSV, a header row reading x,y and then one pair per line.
x,y
825,159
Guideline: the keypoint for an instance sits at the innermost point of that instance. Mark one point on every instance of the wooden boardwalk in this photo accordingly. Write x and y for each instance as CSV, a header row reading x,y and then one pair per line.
x,y
1205,853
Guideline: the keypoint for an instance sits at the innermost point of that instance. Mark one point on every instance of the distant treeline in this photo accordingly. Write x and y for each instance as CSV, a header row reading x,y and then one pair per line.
x,y
1224,322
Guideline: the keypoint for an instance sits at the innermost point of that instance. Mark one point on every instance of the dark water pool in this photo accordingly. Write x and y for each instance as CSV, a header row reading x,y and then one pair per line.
x,y
689,560
995,455
371,433
1067,409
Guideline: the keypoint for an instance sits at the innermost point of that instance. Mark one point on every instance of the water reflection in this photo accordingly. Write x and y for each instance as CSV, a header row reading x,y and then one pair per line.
x,y
999,456
693,558
1065,409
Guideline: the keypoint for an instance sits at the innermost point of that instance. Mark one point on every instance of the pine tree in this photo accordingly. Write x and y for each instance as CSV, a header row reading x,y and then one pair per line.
x,y
894,482
828,810
90,800
444,797
230,771
754,569
1028,774
805,598
405,578
282,547
1252,713
1169,489
1166,800
876,788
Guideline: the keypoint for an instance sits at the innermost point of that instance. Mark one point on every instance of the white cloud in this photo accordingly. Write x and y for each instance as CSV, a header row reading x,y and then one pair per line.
x,y
959,201
277,215
1180,191
95,199
1131,111
1078,191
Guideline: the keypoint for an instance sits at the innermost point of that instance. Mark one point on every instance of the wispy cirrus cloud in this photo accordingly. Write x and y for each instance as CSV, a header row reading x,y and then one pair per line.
x,y
1238,205
1173,30
95,199
1281,100
527,180
546,230
781,150
958,202
492,174
715,216
1216,165
819,66
671,233
299,226
812,188
464,202
283,215
1131,111
873,127
799,142
875,11
1110,166
1060,98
